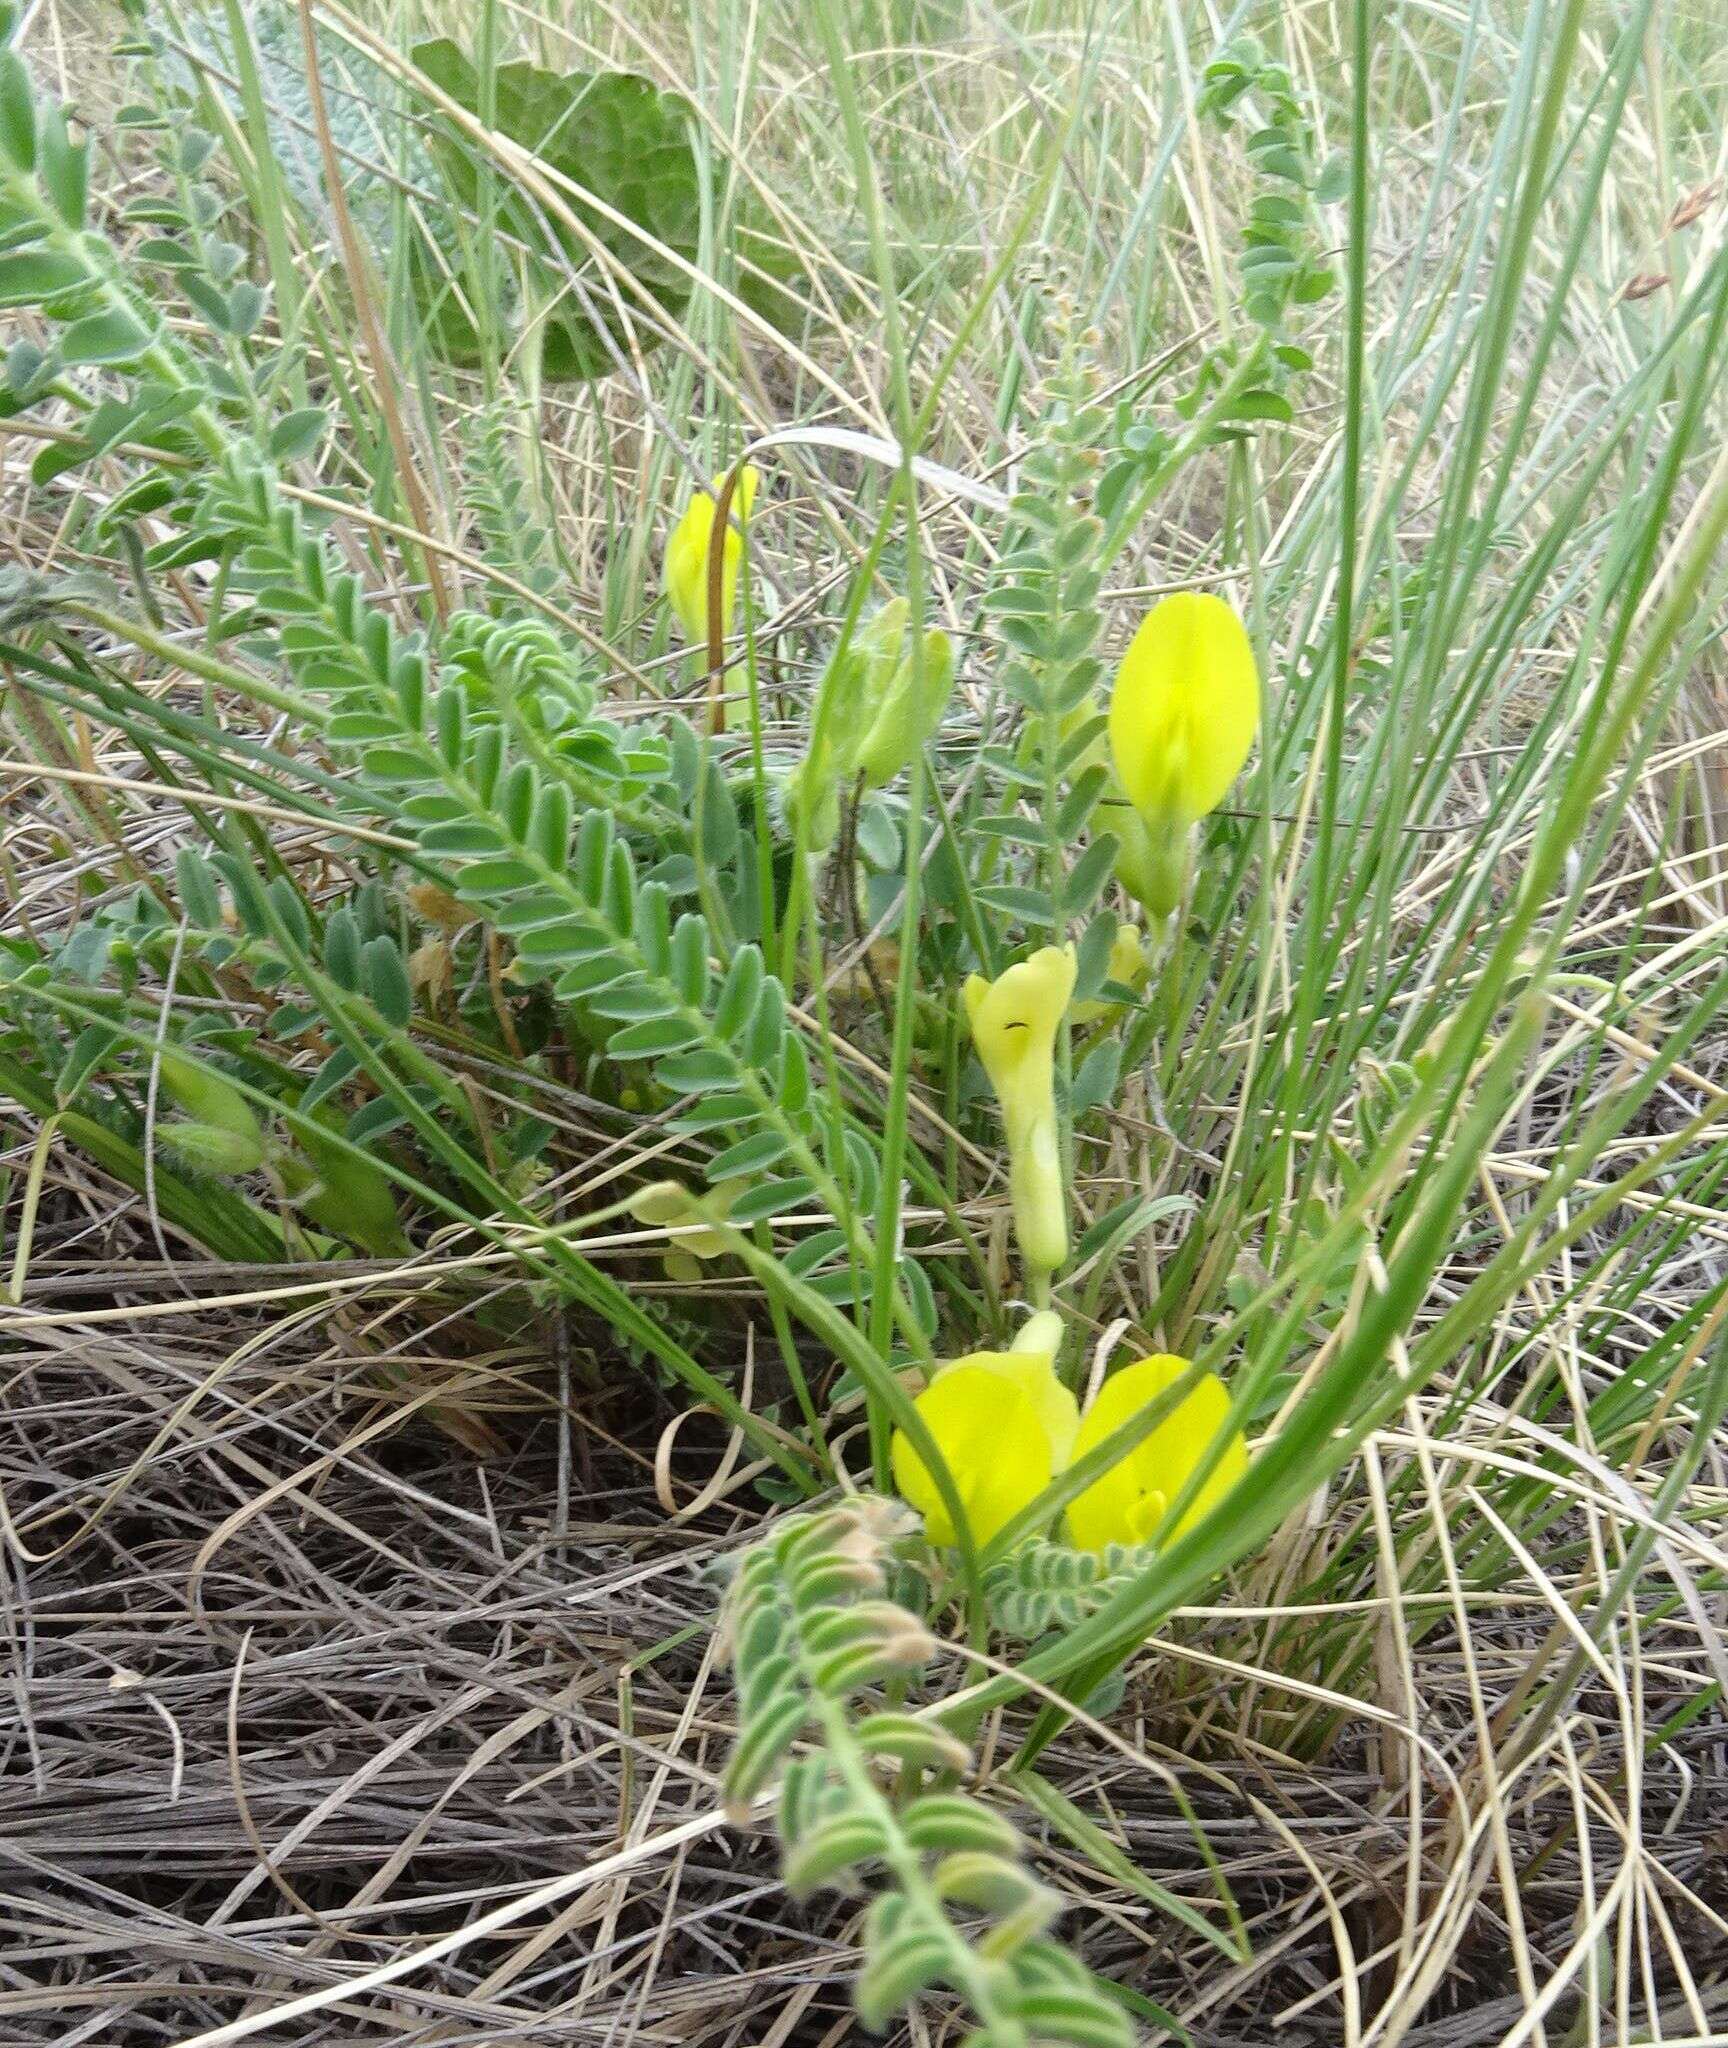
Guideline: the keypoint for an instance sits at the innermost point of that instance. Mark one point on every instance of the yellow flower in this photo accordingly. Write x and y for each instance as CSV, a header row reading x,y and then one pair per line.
x,y
1128,966
1128,1502
1006,1427
1183,716
1014,1021
1004,1424
687,557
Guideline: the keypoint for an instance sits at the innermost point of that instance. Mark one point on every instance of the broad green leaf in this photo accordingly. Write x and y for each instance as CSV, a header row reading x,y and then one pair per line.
x,y
627,145
619,138
17,112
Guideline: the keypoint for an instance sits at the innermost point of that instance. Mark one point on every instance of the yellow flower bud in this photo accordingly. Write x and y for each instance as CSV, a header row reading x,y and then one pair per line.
x,y
672,1206
1129,1501
1004,1424
1183,715
687,556
1014,1021
1128,966
1040,1334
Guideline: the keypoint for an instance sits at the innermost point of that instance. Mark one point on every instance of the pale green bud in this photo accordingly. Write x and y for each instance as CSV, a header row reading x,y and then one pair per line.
x,y
813,794
878,707
212,1149
347,1197
204,1094
909,695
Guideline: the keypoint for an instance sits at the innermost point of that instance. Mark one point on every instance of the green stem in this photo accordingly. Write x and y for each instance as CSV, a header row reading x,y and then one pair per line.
x,y
195,661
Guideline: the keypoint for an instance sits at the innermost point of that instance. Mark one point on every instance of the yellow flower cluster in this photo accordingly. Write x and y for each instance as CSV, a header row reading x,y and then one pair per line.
x,y
1183,717
1006,1426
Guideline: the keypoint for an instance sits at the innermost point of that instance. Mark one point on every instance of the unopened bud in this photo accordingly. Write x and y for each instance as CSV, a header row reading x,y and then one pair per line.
x,y
212,1149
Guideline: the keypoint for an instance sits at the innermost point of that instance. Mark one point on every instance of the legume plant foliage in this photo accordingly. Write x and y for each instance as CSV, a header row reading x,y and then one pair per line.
x,y
1117,984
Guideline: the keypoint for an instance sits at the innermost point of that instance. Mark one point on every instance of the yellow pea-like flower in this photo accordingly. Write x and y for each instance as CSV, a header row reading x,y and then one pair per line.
x,y
1129,1501
688,552
1014,1022
1004,1424
1183,715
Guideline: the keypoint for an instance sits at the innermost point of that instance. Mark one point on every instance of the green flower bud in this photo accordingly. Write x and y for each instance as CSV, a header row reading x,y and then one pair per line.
x,y
1151,864
344,1195
813,795
212,1149
204,1094
877,708
909,695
